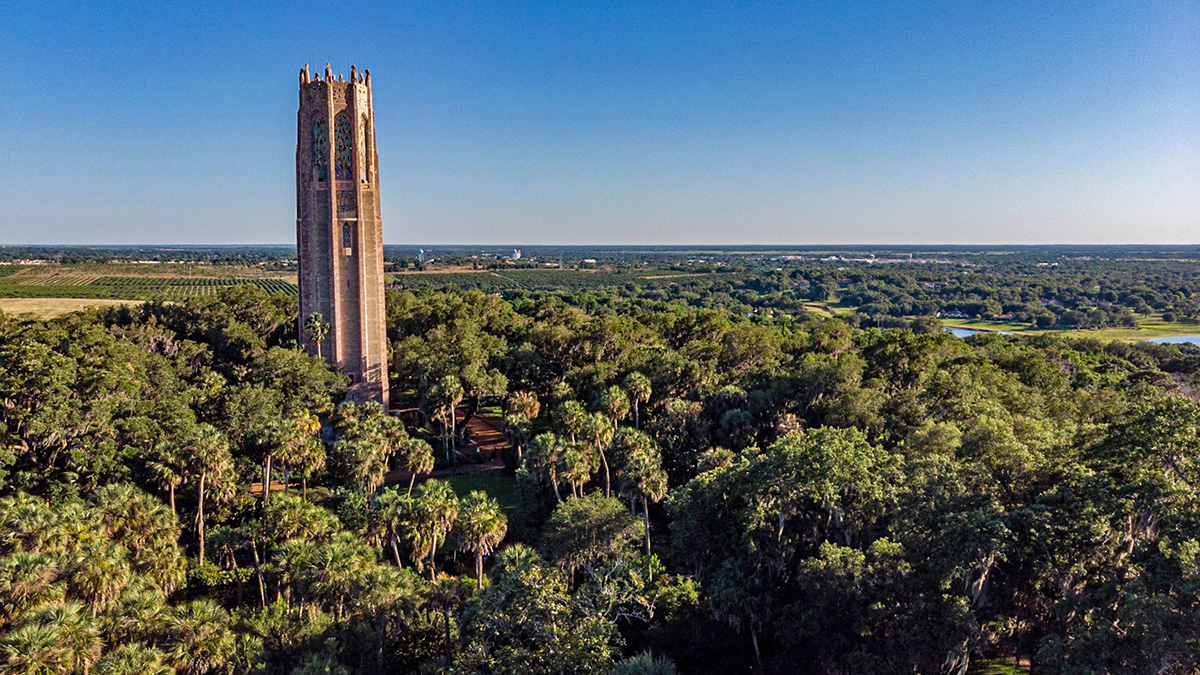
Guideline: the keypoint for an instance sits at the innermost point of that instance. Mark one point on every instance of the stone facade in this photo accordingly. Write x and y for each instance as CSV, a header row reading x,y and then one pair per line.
x,y
339,236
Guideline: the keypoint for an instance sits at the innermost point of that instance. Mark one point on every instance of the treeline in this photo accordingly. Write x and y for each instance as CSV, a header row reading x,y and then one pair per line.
x,y
1090,294
690,490
1068,294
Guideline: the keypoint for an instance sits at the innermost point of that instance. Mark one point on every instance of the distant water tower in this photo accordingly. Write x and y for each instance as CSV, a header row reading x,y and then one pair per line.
x,y
516,254
420,255
338,230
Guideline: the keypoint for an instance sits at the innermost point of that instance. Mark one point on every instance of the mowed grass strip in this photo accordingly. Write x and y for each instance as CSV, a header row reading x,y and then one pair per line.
x,y
49,308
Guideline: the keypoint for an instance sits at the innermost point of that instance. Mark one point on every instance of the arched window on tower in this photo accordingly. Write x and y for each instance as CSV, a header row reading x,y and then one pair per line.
x,y
320,149
365,169
343,149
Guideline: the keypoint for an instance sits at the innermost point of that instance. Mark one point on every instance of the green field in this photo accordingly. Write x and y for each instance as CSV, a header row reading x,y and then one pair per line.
x,y
500,488
134,282
48,308
1148,327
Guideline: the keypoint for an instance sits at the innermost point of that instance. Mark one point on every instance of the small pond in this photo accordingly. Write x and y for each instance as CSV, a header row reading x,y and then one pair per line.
x,y
968,332
1176,340
1167,340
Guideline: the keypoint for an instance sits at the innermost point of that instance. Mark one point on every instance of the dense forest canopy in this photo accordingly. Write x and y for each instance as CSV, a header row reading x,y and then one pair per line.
x,y
687,487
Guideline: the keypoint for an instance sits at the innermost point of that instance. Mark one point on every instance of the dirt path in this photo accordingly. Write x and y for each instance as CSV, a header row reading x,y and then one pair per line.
x,y
484,436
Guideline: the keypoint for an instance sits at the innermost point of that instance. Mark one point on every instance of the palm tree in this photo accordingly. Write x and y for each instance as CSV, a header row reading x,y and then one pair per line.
x,y
333,570
133,517
515,557
98,573
226,542
32,649
446,595
569,418
645,664
139,616
26,581
577,464
638,386
437,507
523,403
481,526
417,458
27,524
317,329
516,432
199,638
291,516
252,531
614,403
73,636
542,460
133,659
167,469
599,435
449,393
363,462
162,562
209,454
390,513
645,479
296,442
391,431
306,459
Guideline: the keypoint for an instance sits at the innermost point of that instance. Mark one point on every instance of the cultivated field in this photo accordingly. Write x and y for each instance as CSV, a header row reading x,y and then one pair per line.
x,y
49,308
127,281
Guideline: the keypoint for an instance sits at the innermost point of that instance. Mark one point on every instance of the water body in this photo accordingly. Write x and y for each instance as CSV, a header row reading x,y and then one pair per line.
x,y
968,332
1167,340
1177,340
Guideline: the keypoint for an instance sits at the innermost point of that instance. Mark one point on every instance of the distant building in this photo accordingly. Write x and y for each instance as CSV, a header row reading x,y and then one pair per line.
x,y
339,236
516,255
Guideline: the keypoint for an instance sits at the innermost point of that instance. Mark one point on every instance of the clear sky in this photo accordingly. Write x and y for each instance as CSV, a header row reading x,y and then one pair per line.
x,y
614,122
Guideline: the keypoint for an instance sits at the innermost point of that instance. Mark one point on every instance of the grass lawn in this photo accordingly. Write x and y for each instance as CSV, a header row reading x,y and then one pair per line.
x,y
48,308
827,308
992,326
500,488
1148,327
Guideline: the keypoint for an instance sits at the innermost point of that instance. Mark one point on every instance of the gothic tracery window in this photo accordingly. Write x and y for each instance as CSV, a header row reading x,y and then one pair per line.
x,y
320,149
364,150
343,149
345,204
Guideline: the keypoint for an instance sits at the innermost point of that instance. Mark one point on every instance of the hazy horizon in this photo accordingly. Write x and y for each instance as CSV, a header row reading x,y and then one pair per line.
x,y
702,124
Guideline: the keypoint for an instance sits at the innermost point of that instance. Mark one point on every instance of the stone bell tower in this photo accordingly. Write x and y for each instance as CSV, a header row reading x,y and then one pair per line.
x,y
339,237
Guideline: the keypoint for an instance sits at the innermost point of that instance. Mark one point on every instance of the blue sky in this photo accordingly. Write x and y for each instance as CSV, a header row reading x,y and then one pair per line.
x,y
614,122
